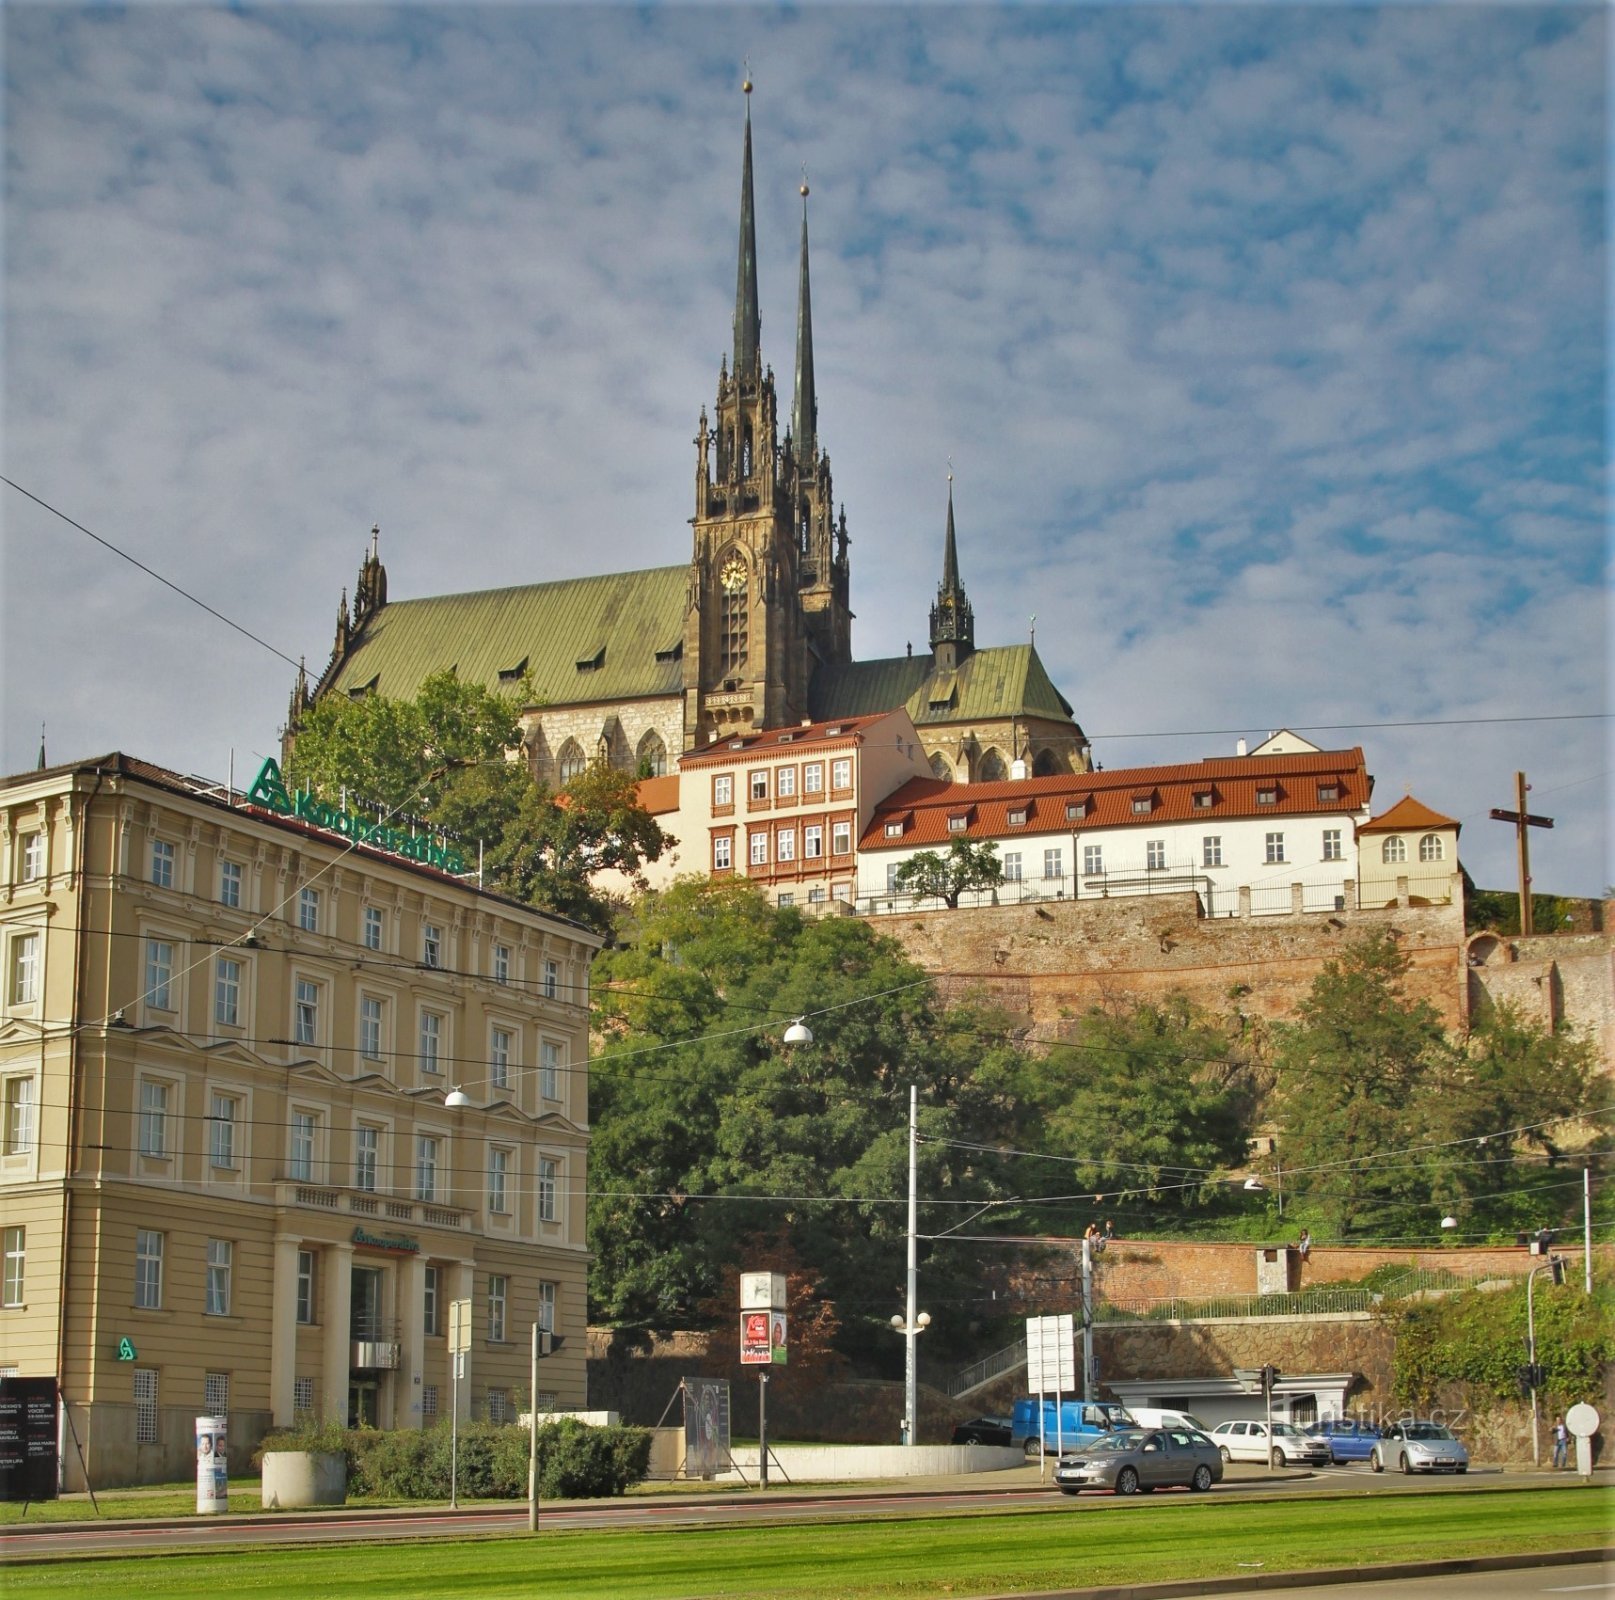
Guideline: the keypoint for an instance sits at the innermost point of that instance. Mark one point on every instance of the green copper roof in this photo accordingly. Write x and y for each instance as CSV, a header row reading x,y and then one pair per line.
x,y
1000,681
581,639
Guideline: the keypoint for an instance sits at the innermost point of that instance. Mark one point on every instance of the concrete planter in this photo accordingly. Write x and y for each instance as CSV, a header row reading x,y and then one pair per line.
x,y
295,1479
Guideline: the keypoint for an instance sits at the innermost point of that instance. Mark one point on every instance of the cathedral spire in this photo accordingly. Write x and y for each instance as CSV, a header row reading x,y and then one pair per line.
x,y
953,624
748,323
805,410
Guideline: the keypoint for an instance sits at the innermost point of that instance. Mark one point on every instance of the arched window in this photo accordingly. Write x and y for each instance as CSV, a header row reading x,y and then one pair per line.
x,y
652,756
1431,848
1046,765
940,767
991,768
570,763
1394,849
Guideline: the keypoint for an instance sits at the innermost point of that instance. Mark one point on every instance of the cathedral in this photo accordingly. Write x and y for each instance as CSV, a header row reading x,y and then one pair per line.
x,y
753,632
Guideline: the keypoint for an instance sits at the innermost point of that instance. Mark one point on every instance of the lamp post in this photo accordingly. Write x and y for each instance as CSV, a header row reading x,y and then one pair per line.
x,y
1557,1267
910,1324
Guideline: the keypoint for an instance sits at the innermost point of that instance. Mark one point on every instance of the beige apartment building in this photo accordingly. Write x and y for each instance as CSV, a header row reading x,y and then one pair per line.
x,y
236,1177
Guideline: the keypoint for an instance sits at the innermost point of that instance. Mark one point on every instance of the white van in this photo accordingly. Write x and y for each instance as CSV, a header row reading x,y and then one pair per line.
x,y
1155,1417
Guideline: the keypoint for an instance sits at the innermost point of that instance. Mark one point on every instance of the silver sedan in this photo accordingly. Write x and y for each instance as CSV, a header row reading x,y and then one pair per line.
x,y
1135,1461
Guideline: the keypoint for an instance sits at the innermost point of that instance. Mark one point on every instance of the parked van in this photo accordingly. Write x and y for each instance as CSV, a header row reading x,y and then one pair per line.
x,y
1065,1422
1155,1417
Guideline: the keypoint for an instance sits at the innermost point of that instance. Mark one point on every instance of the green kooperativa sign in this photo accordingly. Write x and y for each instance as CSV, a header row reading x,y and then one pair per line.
x,y
269,791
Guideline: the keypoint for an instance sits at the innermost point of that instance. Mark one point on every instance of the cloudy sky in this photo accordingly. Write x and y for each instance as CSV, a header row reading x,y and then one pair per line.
x,y
1268,343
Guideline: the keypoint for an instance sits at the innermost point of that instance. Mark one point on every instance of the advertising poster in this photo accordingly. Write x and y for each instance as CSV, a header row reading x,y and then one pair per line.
x,y
755,1349
706,1427
27,1438
776,1338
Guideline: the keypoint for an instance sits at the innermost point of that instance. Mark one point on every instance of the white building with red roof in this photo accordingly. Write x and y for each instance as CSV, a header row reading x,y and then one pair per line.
x,y
1408,856
1272,831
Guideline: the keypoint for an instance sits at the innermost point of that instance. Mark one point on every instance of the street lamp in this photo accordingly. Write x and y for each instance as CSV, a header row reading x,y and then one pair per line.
x,y
1449,1222
1557,1267
456,1098
911,1329
799,1033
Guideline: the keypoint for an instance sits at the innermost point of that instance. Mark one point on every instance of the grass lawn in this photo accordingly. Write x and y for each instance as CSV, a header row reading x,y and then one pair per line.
x,y
873,1560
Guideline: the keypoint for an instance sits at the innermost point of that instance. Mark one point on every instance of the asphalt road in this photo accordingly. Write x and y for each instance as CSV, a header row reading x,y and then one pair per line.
x,y
976,1494
1519,1583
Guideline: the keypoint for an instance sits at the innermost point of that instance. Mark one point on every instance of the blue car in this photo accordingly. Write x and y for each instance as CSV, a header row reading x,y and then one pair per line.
x,y
1348,1440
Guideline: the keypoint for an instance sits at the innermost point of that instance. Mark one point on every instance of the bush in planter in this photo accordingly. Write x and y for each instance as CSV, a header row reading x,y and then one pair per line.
x,y
313,1438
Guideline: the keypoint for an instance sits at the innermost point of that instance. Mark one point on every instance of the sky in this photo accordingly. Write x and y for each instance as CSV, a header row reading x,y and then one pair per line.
x,y
1267,344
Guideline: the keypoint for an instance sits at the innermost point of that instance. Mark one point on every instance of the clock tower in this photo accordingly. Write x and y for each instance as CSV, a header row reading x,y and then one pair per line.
x,y
769,579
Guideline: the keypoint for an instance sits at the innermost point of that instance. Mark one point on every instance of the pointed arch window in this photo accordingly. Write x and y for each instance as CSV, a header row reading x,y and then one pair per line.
x,y
652,756
734,624
570,763
992,769
1046,764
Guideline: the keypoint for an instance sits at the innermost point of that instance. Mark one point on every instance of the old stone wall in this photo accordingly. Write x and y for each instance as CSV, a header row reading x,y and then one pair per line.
x,y
1559,979
1052,960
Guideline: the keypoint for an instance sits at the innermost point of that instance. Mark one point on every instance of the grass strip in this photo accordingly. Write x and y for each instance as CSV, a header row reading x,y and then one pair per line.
x,y
914,1559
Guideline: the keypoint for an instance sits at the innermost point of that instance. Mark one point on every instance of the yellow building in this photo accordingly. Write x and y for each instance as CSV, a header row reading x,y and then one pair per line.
x,y
236,1177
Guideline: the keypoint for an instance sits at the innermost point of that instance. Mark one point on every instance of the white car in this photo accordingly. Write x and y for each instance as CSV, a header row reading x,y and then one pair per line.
x,y
1418,1447
1286,1446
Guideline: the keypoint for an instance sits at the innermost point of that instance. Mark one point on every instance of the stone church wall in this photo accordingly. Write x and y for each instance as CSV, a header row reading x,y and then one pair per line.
x,y
547,729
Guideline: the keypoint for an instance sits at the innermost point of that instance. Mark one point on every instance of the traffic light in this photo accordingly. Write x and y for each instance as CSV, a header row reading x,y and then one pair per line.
x,y
1270,1378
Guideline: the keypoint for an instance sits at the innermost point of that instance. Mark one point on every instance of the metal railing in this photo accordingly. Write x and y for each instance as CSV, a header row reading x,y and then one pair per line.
x,y
1201,1308
988,1368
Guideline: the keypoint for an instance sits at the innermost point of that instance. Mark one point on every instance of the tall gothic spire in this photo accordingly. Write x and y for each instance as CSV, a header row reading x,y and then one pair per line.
x,y
748,323
805,410
953,623
950,550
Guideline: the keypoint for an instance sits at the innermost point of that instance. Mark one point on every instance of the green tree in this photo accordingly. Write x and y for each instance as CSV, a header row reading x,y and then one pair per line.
x,y
1351,1072
447,757
967,866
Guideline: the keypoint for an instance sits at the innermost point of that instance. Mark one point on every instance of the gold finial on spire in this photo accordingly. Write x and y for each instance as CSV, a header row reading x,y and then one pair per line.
x,y
745,81
804,189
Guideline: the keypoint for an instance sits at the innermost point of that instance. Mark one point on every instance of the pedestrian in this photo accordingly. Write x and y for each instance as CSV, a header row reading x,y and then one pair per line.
x,y
1304,1249
1561,1442
1110,1230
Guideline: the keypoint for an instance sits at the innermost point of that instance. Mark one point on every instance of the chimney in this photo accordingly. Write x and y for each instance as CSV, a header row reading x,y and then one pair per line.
x,y
1239,749
1017,769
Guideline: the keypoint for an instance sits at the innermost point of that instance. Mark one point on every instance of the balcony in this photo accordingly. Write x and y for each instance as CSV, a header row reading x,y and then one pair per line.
x,y
375,1355
370,1206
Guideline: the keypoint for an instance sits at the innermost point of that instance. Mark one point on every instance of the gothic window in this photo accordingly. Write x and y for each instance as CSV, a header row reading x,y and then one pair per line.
x,y
992,769
652,756
733,624
940,768
569,764
1047,765
745,452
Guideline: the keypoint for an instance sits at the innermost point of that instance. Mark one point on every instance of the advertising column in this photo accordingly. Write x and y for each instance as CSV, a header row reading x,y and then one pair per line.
x,y
212,1466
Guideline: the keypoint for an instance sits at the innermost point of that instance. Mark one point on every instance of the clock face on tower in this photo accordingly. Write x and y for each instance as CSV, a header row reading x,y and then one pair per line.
x,y
733,576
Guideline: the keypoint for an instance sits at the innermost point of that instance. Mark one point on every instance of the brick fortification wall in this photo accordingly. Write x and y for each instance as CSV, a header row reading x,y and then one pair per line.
x,y
1052,960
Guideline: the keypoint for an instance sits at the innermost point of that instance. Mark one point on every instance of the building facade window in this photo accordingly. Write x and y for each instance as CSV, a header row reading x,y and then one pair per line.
x,y
370,1025
1431,848
162,863
429,1320
498,1293
841,774
785,782
374,927
723,790
1012,866
19,1115
841,838
159,974
305,1286
428,1403
230,884
227,992
785,899
1211,850
33,856
1332,849
552,980
499,1058
25,969
13,1271
1054,864
785,844
549,1070
722,845
813,841
1154,855
220,1256
813,778
1394,850
546,1306
501,963
759,785
308,910
145,1396
153,1119
366,1154
148,1269
216,1394
1267,795
426,1154
306,1012
498,1176
759,849
1275,849
546,1188
222,1130
431,945
305,1138
1093,860
891,877
302,1397
431,1042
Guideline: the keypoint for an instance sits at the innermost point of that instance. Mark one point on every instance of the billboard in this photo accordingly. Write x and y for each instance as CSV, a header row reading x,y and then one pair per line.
x,y
706,1426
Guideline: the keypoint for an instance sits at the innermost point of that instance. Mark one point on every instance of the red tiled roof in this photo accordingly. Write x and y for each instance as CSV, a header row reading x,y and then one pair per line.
x,y
660,795
1232,780
1408,813
832,732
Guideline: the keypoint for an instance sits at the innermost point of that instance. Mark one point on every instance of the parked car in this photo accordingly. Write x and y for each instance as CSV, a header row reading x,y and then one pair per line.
x,y
1348,1439
1134,1461
1064,1423
1165,1417
1286,1446
983,1430
1418,1447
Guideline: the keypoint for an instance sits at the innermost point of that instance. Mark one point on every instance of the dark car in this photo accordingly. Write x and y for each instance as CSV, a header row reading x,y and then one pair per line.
x,y
983,1430
1348,1440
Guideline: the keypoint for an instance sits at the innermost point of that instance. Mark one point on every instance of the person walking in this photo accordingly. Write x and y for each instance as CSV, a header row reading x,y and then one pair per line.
x,y
1561,1443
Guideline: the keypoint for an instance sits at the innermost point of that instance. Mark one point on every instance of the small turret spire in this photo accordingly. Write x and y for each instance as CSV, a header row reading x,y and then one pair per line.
x,y
748,322
950,550
953,623
805,410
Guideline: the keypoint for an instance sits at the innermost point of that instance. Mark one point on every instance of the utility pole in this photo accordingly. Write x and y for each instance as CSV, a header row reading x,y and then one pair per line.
x,y
1087,1319
1523,821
